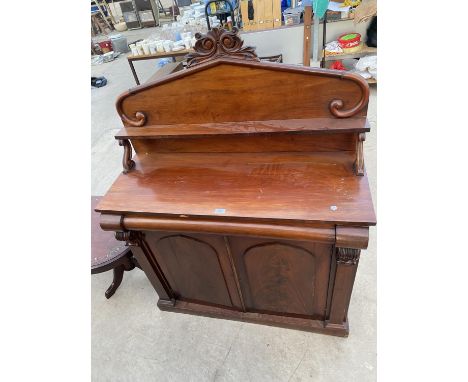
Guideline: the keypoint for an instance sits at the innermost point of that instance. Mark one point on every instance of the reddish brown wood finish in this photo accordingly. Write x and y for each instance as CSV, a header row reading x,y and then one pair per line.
x,y
250,200
107,253
283,276
250,128
251,91
266,186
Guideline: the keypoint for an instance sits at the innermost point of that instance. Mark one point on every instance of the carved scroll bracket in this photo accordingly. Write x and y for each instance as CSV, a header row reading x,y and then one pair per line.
x,y
127,161
219,43
359,163
347,256
131,238
139,118
336,106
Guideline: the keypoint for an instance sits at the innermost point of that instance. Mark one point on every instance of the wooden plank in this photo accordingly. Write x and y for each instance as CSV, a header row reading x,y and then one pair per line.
x,y
258,11
160,55
265,186
244,4
250,91
362,52
268,14
277,14
320,125
277,142
307,35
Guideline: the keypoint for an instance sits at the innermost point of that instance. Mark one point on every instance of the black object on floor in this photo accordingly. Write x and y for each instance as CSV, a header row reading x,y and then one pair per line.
x,y
98,81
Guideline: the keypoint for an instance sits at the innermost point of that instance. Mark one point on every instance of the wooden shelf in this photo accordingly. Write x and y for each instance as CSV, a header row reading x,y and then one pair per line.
x,y
362,52
160,55
318,125
293,186
301,25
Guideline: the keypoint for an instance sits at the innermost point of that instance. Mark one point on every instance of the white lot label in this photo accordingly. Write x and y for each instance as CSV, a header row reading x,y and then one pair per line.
x,y
220,210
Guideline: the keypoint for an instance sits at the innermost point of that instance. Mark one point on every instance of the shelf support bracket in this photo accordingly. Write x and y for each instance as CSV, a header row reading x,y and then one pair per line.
x,y
127,162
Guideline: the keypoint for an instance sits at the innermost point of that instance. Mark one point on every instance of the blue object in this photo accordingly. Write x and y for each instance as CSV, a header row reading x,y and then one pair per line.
x,y
320,7
224,7
164,61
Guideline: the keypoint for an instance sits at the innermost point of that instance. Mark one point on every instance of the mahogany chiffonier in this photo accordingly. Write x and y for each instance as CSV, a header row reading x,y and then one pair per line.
x,y
246,196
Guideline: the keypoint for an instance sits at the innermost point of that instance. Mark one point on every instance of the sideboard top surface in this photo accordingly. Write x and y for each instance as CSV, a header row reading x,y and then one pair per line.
x,y
318,187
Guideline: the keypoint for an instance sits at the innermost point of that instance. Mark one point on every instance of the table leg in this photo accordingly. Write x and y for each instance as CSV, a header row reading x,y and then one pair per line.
x,y
118,276
130,62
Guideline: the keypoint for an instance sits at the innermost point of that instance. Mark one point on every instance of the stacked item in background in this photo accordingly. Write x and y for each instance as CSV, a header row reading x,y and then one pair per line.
x,y
169,38
260,14
107,48
367,67
195,15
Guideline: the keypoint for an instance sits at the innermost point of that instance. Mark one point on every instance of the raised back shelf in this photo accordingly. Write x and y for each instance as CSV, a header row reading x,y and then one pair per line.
x,y
299,126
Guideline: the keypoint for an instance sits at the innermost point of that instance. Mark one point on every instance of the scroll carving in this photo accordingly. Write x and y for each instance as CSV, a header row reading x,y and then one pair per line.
x,y
359,163
131,238
218,43
347,256
336,106
127,161
139,118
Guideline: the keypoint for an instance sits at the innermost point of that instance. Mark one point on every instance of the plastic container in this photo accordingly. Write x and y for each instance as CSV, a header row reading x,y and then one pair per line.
x,y
106,46
349,40
119,43
292,18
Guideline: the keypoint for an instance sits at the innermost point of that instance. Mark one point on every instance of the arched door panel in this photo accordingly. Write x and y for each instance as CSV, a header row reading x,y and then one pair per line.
x,y
281,276
196,266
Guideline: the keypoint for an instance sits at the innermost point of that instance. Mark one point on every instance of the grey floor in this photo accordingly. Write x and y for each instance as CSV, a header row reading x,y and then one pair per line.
x,y
132,340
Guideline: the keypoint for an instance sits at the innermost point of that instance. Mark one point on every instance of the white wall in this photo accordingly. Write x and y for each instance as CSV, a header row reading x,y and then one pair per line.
x,y
289,40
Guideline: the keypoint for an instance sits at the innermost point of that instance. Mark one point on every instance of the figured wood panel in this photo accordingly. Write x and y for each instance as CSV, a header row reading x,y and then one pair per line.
x,y
197,267
243,91
283,277
250,128
279,142
264,186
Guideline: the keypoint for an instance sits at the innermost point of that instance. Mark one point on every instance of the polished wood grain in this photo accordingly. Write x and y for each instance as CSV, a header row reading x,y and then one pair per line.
x,y
293,186
107,253
311,125
250,91
278,142
283,276
228,226
283,321
249,198
197,267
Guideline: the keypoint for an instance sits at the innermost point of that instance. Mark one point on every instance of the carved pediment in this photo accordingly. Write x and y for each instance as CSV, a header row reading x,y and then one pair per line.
x,y
220,43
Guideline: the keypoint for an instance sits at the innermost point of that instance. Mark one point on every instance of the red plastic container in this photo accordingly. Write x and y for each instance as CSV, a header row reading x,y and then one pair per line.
x,y
349,40
106,46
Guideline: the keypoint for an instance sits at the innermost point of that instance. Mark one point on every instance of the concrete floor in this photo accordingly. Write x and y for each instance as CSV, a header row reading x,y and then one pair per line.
x,y
132,340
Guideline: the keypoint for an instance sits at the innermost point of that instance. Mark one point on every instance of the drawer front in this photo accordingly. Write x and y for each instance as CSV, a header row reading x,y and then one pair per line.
x,y
282,277
197,266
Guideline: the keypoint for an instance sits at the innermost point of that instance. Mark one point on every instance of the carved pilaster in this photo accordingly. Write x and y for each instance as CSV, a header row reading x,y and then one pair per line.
x,y
148,263
347,256
359,163
347,260
127,162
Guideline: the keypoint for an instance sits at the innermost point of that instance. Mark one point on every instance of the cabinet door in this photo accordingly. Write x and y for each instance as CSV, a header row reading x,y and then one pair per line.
x,y
282,276
196,266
